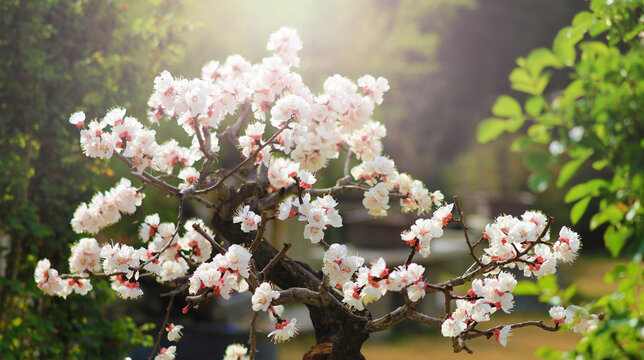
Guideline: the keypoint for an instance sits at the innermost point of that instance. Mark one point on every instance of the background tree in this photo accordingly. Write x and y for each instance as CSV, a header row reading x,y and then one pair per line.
x,y
59,56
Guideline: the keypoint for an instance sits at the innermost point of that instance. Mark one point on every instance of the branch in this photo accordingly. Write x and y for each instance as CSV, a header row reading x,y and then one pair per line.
x,y
232,132
388,320
274,261
212,241
167,245
245,161
347,163
148,178
260,232
461,220
489,332
422,318
252,341
299,295
162,330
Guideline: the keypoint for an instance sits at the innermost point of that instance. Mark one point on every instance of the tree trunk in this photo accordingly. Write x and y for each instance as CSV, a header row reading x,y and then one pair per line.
x,y
332,325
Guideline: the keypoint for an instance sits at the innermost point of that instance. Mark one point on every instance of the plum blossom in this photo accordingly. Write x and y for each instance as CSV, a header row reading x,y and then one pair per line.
x,y
248,219
174,332
85,256
236,352
263,296
284,330
168,353
501,336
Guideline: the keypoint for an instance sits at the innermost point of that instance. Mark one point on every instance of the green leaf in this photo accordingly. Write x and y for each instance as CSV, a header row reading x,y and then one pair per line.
x,y
568,170
514,124
526,287
506,106
534,105
541,58
538,181
583,20
490,129
580,190
600,164
618,272
611,213
579,209
564,44
521,143
570,292
615,239
536,160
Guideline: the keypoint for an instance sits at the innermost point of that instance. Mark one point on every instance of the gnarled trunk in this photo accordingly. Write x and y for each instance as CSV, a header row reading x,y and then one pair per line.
x,y
332,325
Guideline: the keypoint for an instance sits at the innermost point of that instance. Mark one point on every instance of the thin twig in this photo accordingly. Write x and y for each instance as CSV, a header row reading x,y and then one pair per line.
x,y
176,291
410,258
260,232
162,330
169,243
461,221
220,249
252,341
274,261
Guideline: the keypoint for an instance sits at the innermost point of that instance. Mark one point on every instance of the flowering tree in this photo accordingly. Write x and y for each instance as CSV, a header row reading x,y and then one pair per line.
x,y
294,136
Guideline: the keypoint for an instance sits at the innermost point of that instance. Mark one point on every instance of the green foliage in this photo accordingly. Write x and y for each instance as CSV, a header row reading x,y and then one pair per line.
x,y
620,334
60,56
595,122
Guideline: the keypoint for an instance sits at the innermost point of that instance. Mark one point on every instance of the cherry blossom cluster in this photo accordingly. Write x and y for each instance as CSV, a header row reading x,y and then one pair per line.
x,y
420,235
50,282
174,332
224,274
575,317
319,214
283,172
524,243
105,208
263,296
484,298
168,353
380,173
373,283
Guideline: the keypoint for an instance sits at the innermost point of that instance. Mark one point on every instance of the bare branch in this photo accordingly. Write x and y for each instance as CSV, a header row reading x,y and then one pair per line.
x,y
169,243
389,320
260,232
212,241
252,341
422,318
302,295
163,327
461,221
274,261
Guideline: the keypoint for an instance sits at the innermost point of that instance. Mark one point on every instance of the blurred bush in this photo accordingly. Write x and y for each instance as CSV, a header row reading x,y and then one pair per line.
x,y
61,56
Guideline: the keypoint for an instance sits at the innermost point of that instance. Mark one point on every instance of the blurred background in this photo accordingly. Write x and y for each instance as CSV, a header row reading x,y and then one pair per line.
x,y
446,62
